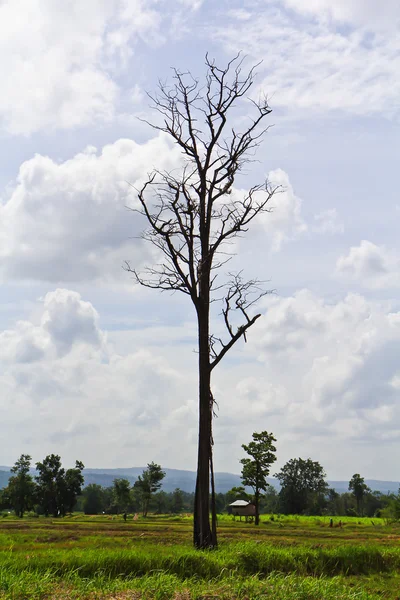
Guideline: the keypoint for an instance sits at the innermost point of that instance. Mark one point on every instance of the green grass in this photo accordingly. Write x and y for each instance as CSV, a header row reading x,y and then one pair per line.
x,y
287,558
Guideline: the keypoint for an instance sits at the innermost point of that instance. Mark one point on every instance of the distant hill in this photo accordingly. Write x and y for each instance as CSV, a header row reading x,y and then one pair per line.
x,y
186,480
4,477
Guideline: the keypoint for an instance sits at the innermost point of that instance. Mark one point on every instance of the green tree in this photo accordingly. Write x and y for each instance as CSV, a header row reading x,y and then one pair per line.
x,y
58,489
73,483
122,494
177,501
256,469
270,501
161,502
192,217
49,484
302,481
392,510
148,483
21,487
220,502
359,488
93,499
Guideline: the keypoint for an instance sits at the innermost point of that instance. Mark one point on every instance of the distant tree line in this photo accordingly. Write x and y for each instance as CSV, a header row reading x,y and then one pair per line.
x,y
55,491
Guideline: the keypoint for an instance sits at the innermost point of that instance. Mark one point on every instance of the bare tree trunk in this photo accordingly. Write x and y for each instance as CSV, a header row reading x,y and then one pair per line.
x,y
202,534
213,504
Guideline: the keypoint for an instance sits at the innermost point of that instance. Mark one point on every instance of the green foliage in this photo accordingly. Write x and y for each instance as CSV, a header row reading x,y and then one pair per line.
x,y
303,486
94,499
391,513
148,483
256,469
359,488
73,484
58,489
177,501
21,490
122,496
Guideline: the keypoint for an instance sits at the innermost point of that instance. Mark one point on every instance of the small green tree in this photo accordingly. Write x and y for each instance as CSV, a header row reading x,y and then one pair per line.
x,y
392,510
256,469
148,483
21,489
93,502
162,502
122,494
270,501
177,501
302,481
359,488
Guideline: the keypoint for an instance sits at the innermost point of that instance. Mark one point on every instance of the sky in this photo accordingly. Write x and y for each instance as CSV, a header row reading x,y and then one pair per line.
x,y
96,368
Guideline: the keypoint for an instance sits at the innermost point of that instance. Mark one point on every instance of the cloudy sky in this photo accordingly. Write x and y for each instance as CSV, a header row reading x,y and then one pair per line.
x,y
97,369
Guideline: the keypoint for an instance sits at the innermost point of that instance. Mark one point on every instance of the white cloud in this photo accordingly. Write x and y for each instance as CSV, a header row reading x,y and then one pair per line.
x,y
371,265
367,13
312,67
69,221
327,222
60,61
337,361
285,221
75,393
51,72
67,321
67,318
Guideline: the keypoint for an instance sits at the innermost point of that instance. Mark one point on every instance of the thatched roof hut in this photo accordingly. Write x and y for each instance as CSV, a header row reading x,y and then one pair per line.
x,y
242,508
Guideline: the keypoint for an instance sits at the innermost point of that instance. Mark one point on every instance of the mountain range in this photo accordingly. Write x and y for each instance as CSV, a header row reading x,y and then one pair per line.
x,y
185,480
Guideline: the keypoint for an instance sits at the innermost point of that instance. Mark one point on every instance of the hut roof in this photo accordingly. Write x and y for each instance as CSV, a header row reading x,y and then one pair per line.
x,y
240,503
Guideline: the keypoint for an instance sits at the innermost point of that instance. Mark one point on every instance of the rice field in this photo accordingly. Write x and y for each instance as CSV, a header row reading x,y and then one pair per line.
x,y
284,558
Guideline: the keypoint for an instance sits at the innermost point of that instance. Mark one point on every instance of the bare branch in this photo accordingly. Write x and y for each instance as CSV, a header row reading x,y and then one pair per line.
x,y
240,332
240,296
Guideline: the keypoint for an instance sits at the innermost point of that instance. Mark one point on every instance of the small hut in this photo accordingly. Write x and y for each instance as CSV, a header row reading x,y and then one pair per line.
x,y
242,508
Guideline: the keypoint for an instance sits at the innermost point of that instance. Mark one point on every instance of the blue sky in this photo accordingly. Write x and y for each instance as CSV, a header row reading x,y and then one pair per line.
x,y
95,368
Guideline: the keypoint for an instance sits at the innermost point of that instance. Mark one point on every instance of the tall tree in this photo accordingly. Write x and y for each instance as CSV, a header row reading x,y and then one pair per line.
x,y
21,489
256,469
148,483
58,489
359,488
73,483
49,482
192,218
302,481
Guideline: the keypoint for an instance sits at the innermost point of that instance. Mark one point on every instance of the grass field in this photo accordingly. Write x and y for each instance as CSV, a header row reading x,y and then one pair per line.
x,y
299,558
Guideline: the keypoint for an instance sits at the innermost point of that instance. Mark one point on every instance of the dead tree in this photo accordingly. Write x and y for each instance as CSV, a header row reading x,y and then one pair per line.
x,y
193,215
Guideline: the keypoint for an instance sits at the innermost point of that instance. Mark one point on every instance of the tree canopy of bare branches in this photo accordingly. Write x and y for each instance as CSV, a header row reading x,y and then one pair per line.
x,y
193,214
